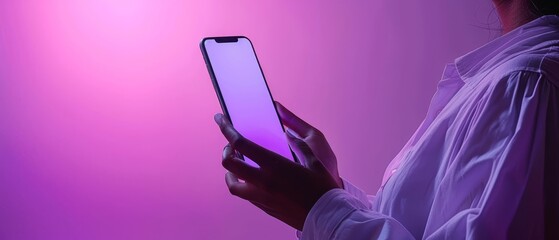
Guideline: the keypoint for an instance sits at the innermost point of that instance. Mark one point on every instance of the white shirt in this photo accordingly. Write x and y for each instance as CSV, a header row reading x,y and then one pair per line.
x,y
484,164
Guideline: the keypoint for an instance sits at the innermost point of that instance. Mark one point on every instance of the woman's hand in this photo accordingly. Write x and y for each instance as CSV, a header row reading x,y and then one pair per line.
x,y
299,129
280,187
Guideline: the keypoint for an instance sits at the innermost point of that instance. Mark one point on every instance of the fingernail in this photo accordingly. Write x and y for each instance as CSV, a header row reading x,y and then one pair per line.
x,y
225,152
218,118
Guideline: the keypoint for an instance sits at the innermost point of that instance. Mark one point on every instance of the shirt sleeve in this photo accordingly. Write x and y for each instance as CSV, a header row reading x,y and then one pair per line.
x,y
339,215
366,200
506,168
503,176
357,193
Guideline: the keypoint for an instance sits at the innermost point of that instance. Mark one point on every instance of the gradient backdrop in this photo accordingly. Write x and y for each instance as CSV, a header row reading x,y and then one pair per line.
x,y
106,107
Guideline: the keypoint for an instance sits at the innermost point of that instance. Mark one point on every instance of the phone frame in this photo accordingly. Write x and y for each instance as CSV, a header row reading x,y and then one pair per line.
x,y
225,39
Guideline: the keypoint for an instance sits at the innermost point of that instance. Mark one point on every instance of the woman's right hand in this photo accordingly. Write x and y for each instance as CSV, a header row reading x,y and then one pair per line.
x,y
299,129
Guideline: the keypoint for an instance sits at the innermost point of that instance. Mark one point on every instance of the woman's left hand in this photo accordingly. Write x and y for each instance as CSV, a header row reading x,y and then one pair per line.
x,y
280,187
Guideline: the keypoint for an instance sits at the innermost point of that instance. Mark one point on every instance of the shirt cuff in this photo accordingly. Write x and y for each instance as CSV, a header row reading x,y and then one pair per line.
x,y
357,193
328,212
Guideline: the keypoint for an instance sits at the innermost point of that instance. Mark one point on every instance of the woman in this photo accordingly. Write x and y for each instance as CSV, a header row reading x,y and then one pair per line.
x,y
484,164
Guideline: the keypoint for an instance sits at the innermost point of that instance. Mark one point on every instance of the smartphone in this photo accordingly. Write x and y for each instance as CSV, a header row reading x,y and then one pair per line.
x,y
243,93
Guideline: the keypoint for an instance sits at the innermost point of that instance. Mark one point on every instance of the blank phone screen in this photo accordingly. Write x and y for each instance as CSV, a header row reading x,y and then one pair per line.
x,y
245,94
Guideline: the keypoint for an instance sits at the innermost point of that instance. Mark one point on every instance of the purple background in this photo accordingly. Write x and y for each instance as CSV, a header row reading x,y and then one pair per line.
x,y
106,107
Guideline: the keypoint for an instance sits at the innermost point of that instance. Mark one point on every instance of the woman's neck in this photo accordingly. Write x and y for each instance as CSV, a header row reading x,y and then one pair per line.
x,y
513,13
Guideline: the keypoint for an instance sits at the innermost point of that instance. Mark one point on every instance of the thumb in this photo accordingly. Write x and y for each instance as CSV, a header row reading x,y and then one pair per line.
x,y
303,151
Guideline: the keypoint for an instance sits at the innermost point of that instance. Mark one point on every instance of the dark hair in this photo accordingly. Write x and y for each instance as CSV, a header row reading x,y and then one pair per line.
x,y
544,7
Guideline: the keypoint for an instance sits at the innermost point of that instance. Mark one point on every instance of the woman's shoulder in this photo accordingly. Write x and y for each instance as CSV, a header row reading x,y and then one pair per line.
x,y
542,62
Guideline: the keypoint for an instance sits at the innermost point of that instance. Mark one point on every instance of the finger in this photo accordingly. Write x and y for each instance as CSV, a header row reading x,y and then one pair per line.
x,y
240,189
239,167
291,140
304,152
227,151
292,121
235,186
262,156
230,178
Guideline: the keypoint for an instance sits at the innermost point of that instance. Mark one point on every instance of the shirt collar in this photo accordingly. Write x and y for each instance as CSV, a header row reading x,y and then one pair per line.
x,y
536,34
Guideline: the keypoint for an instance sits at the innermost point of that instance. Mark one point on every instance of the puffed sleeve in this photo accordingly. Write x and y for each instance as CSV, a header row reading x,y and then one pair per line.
x,y
505,173
503,177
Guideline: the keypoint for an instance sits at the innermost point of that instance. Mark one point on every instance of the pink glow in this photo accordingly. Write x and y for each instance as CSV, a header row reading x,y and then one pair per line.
x,y
106,107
